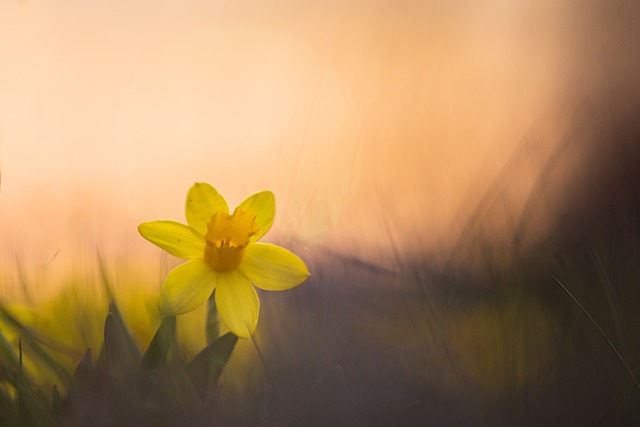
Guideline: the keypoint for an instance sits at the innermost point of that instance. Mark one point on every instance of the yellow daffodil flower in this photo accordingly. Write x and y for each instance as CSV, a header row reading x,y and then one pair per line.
x,y
223,254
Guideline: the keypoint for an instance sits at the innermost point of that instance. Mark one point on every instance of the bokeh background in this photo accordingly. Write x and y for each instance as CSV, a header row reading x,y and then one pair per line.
x,y
435,163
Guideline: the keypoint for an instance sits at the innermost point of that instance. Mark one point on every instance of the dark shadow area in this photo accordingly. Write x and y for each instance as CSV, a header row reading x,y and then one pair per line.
x,y
488,338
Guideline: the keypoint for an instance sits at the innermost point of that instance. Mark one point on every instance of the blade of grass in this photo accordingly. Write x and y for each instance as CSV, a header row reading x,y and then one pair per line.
x,y
213,319
604,335
35,343
7,354
612,300
117,334
83,376
206,368
57,404
118,356
160,344
33,410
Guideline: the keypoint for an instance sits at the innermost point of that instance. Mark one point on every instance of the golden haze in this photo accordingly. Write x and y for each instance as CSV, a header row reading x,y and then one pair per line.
x,y
376,126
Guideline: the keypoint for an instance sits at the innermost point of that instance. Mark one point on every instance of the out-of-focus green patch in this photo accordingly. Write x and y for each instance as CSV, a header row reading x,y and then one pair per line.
x,y
8,391
44,382
23,314
72,321
139,308
74,317
504,343
36,354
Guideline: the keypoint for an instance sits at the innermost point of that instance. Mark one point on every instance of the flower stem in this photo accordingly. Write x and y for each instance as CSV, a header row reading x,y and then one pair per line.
x,y
212,327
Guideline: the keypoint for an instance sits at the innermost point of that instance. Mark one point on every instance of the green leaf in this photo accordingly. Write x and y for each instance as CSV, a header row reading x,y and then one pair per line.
x,y
117,343
120,354
160,344
83,376
213,320
33,411
117,337
7,353
57,403
205,369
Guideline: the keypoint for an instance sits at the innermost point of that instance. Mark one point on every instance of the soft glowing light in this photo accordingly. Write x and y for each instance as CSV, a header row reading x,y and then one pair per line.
x,y
358,121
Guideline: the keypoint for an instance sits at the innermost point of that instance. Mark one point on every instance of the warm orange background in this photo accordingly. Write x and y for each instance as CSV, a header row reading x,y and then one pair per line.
x,y
376,124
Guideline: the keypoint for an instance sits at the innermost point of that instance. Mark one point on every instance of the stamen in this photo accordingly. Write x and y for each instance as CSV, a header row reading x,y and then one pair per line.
x,y
227,238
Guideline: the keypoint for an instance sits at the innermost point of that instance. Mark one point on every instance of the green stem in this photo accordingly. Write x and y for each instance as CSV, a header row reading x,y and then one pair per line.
x,y
212,327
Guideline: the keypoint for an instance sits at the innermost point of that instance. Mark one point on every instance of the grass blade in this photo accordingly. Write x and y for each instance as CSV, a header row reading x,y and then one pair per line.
x,y
604,335
160,344
205,370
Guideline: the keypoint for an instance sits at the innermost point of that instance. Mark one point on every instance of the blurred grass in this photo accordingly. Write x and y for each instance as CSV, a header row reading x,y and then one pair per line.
x,y
483,336
360,345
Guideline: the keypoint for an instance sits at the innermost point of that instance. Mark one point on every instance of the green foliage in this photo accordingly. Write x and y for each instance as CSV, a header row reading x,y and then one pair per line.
x,y
206,368
124,386
22,403
212,327
41,348
160,344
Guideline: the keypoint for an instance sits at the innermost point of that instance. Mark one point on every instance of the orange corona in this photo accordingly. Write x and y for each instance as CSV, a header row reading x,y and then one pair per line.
x,y
227,238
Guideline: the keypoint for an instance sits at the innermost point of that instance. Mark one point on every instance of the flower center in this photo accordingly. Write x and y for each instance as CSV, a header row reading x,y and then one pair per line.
x,y
227,238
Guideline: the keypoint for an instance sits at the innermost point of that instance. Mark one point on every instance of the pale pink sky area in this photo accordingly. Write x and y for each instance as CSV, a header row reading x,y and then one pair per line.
x,y
372,122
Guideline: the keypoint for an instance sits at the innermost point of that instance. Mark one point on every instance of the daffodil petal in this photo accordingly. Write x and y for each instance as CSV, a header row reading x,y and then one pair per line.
x,y
264,205
237,303
186,287
178,239
273,268
202,202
